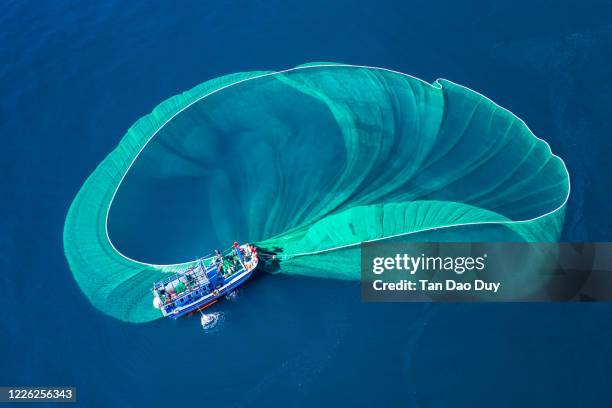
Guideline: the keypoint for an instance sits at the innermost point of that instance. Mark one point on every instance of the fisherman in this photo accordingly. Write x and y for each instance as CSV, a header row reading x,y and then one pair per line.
x,y
238,252
218,256
251,251
219,261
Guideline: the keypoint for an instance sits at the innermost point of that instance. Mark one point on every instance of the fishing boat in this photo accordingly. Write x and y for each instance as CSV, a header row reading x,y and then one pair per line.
x,y
202,284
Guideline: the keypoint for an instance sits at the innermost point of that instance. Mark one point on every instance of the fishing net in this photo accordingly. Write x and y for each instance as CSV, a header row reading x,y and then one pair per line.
x,y
307,162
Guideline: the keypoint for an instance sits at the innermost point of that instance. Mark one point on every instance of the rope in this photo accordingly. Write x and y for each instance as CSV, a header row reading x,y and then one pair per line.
x,y
321,251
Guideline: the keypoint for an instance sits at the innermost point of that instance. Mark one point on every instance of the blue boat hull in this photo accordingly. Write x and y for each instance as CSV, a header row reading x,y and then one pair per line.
x,y
206,301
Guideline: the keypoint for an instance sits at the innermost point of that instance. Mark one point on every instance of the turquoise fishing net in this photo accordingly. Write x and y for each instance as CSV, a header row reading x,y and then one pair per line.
x,y
308,162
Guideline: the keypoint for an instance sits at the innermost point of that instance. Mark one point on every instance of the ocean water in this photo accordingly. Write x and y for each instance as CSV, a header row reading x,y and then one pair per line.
x,y
75,75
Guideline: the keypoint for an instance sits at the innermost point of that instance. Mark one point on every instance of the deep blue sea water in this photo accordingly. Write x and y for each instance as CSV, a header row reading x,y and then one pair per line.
x,y
74,75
